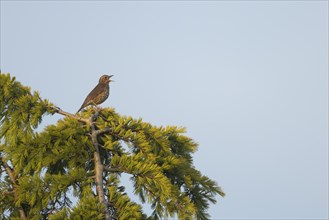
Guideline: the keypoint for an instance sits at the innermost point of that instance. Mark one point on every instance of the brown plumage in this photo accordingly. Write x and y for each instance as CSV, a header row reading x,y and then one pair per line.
x,y
99,94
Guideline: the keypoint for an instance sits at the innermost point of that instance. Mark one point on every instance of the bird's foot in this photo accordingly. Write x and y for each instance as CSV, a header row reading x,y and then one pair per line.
x,y
98,109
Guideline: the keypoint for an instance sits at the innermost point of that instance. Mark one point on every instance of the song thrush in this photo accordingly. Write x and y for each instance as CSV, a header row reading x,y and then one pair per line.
x,y
99,94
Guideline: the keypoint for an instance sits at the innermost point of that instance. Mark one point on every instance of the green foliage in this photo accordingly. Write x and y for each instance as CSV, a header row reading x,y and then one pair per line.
x,y
87,208
20,110
41,171
123,206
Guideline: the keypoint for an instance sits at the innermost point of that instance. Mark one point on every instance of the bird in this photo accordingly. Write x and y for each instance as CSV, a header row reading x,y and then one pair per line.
x,y
99,94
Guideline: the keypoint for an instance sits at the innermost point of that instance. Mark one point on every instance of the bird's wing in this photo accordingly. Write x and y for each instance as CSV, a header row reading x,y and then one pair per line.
x,y
94,93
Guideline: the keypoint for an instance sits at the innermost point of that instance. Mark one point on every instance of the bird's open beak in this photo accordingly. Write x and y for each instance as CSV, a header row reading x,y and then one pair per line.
x,y
110,78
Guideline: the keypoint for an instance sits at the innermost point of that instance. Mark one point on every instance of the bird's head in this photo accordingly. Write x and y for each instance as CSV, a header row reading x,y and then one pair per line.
x,y
105,79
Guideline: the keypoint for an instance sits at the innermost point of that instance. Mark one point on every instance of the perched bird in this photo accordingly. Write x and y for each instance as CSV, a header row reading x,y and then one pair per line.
x,y
99,94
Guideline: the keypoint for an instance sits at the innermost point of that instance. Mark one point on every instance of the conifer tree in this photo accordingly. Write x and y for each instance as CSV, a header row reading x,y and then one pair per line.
x,y
85,154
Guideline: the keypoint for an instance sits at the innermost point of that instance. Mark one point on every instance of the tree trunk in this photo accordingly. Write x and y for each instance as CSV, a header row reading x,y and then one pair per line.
x,y
99,168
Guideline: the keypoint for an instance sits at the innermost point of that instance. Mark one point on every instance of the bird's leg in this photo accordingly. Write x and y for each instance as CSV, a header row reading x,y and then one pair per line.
x,y
98,109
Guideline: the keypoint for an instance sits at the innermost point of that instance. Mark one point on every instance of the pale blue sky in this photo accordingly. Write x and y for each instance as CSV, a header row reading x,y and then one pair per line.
x,y
249,80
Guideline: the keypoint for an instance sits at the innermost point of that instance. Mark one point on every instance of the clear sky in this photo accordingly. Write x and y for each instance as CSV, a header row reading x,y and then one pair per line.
x,y
248,79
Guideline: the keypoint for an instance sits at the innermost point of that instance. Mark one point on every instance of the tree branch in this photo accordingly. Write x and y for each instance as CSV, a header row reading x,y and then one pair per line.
x,y
112,169
11,175
61,112
99,168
